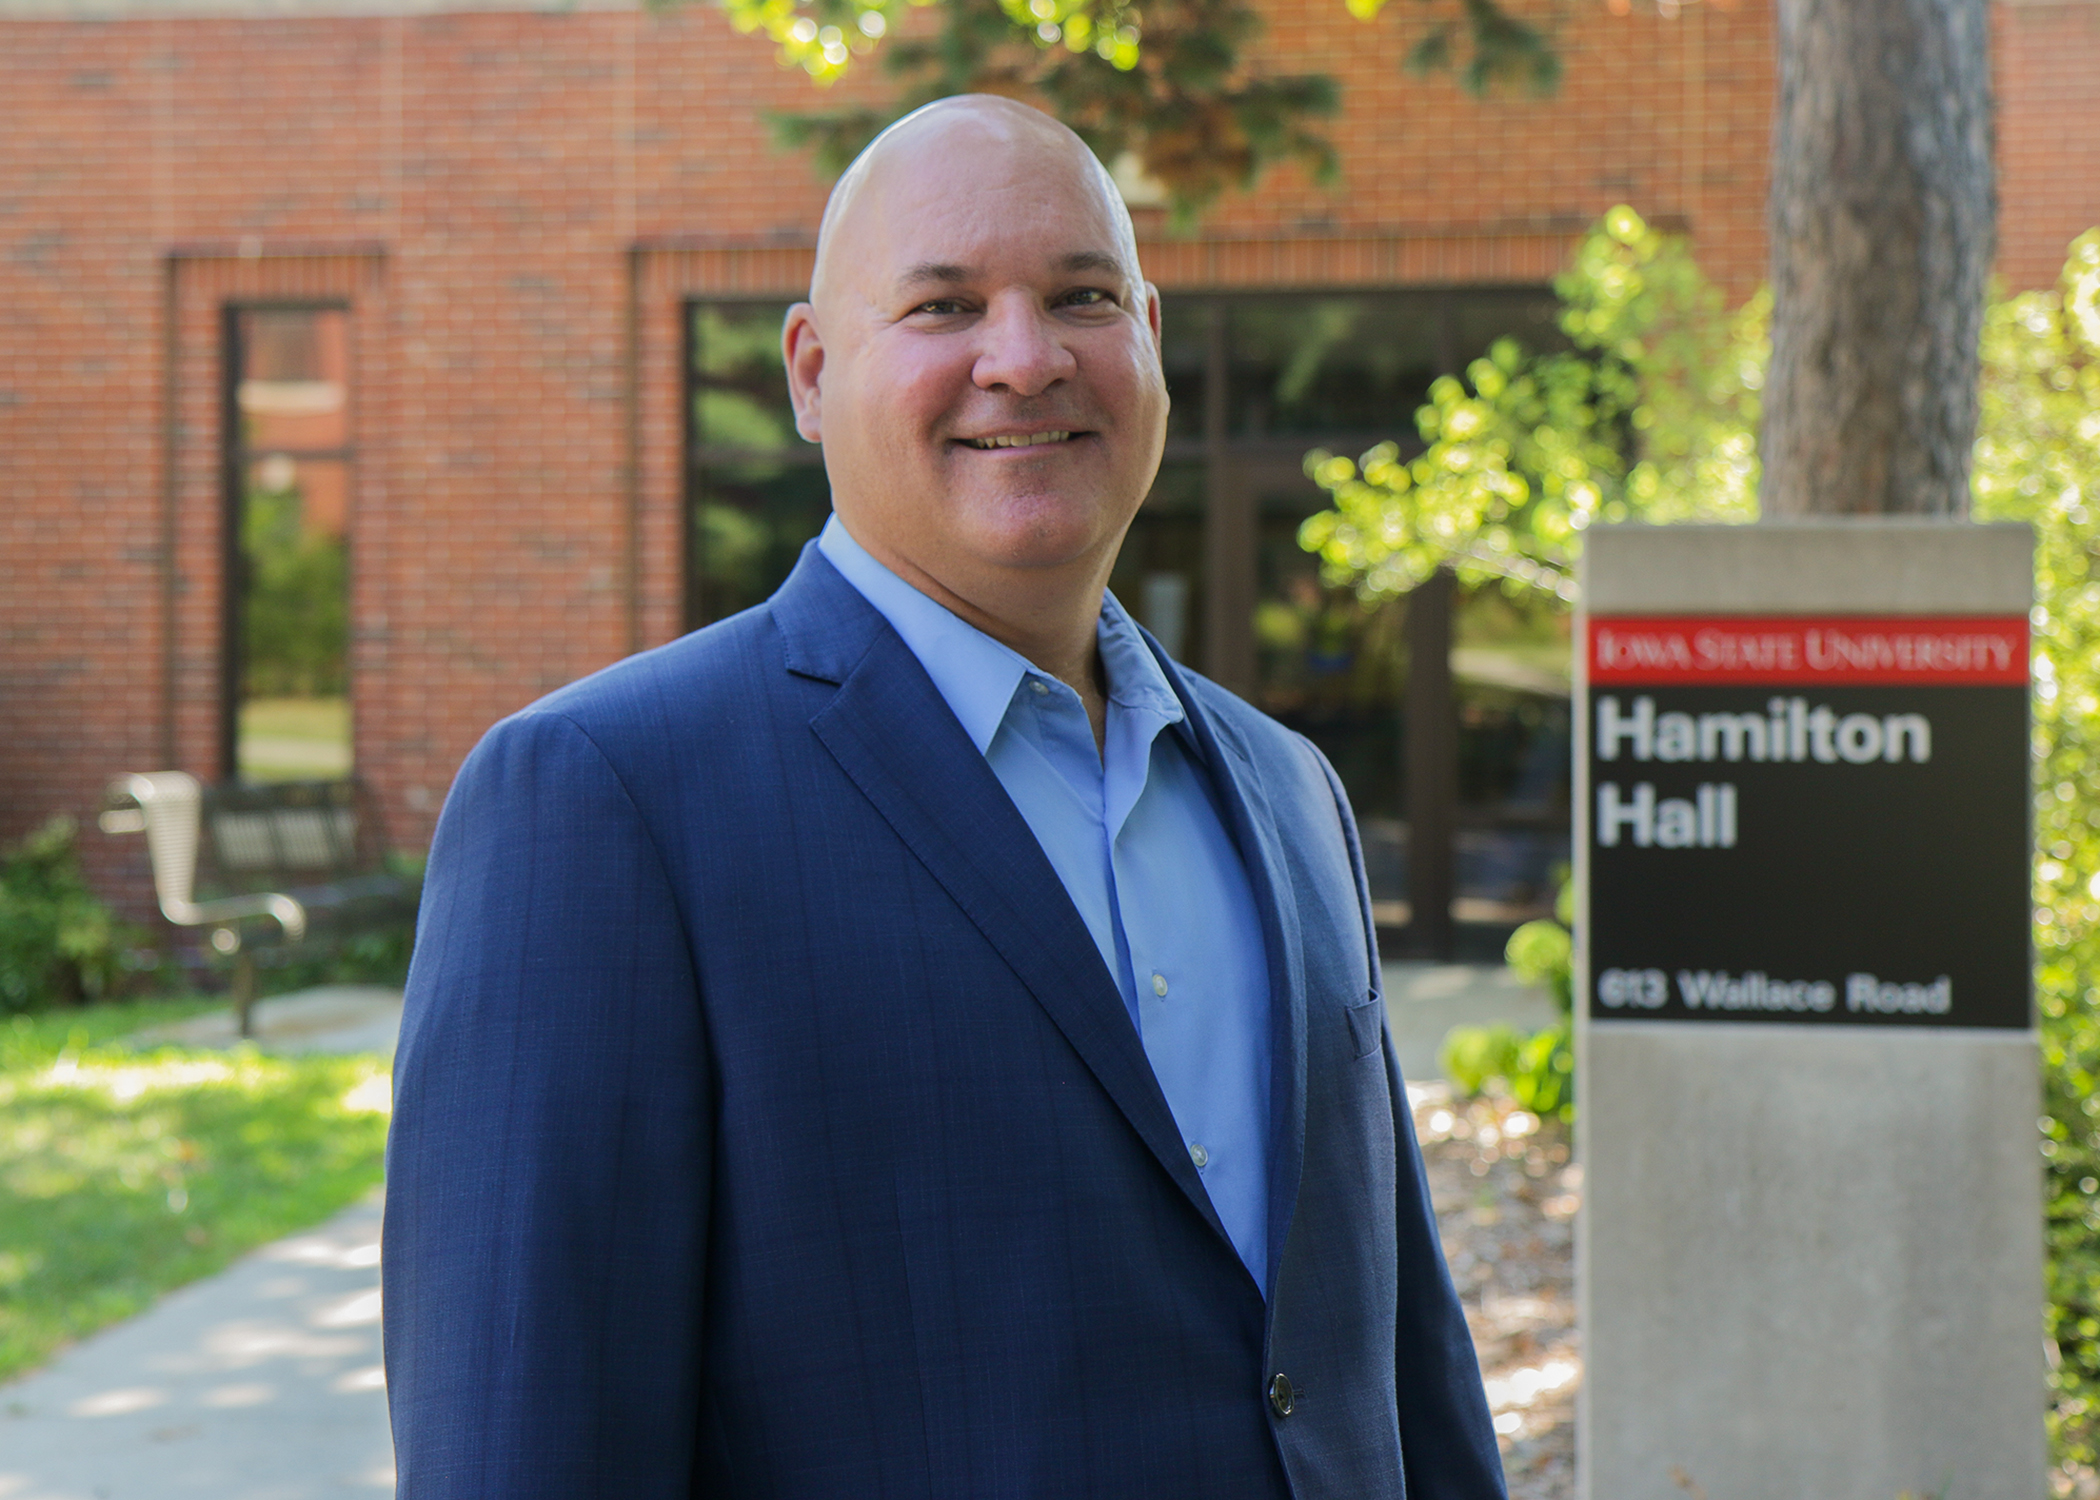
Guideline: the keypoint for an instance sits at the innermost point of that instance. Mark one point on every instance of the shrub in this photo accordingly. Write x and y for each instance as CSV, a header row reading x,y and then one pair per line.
x,y
1543,952
59,943
2038,460
1536,1069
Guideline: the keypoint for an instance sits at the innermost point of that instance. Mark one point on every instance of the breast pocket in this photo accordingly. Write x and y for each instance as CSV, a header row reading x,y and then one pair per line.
x,y
1365,1017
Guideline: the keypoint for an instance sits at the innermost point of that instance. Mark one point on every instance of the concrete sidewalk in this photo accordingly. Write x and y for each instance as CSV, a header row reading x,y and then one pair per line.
x,y
327,1018
262,1383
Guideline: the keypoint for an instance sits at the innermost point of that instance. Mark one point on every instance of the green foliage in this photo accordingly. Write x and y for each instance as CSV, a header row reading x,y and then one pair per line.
x,y
2038,460
1651,416
296,624
1187,106
59,942
124,1174
1498,48
1543,953
822,37
1171,84
1538,1070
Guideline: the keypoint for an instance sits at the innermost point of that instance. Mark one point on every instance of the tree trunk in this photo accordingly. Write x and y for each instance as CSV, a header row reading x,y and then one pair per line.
x,y
1884,222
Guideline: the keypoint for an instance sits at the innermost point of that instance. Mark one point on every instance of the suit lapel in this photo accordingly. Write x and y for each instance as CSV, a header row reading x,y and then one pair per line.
x,y
1253,824
896,739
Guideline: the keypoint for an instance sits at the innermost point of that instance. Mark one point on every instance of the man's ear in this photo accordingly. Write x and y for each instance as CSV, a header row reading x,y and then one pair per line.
x,y
802,350
1152,312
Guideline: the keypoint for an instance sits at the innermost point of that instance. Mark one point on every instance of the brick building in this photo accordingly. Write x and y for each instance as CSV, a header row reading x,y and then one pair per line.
x,y
490,291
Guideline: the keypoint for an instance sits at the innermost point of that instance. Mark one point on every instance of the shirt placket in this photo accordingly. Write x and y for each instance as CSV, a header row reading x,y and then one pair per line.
x,y
1164,1017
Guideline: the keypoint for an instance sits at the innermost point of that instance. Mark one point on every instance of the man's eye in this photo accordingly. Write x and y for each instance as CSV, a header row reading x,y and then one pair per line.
x,y
1088,296
940,306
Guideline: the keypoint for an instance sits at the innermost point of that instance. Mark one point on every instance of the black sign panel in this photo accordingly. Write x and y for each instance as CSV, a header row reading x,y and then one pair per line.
x,y
1808,849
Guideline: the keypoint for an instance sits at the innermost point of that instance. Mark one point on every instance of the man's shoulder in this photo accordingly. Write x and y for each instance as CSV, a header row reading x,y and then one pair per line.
x,y
708,683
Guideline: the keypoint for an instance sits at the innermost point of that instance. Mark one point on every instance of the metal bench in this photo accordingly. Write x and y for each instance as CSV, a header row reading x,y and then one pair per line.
x,y
263,865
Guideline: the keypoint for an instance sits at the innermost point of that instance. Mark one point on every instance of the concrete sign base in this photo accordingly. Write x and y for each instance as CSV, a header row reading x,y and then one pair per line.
x,y
1810,1272
1809,1263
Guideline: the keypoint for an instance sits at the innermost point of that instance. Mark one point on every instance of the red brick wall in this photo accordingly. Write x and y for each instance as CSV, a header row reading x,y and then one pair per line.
x,y
486,190
1672,116
2047,61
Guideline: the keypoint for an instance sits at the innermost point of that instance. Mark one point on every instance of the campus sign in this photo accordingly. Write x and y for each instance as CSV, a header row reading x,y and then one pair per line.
x,y
1809,1256
1819,820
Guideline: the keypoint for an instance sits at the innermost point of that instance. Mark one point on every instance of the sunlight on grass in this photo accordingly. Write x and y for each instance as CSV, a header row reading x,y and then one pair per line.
x,y
124,1174
294,739
322,719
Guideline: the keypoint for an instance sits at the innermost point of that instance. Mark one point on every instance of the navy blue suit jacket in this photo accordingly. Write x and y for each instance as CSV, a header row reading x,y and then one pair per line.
x,y
767,1125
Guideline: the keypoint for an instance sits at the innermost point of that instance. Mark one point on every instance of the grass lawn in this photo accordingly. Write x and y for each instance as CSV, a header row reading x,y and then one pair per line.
x,y
294,739
124,1174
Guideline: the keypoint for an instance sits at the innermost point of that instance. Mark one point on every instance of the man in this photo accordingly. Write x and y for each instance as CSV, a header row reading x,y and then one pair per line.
x,y
912,1039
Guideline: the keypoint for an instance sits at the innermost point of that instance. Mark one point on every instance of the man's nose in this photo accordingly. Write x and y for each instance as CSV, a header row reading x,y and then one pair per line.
x,y
1022,348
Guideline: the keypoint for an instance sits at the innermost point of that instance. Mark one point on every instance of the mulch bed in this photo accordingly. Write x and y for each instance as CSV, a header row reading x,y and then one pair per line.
x,y
1506,1196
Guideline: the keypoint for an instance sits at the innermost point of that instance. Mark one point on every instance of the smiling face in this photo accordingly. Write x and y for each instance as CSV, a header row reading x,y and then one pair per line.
x,y
980,357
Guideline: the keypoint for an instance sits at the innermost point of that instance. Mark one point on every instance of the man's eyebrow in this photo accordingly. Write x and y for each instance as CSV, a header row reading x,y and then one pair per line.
x,y
1091,260
940,273
946,273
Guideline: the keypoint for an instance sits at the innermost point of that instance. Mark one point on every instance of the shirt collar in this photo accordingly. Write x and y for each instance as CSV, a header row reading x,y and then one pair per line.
x,y
976,675
1135,680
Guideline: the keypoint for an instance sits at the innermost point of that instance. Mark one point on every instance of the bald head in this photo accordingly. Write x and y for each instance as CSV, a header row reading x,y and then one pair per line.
x,y
939,141
980,359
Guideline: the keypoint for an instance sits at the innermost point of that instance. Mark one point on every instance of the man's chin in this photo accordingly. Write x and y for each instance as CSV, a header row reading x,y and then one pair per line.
x,y
1036,531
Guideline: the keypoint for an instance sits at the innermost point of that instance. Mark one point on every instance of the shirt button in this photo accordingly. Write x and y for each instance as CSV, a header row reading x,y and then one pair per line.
x,y
1159,985
1199,1155
1041,687
1282,1399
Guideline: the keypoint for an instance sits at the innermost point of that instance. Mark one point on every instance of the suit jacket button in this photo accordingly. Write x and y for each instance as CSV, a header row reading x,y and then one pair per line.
x,y
1282,1399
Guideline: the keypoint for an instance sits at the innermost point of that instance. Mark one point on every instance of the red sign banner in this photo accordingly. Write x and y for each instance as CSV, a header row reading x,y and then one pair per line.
x,y
1863,651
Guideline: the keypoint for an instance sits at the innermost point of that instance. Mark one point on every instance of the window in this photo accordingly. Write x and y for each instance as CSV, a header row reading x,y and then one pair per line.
x,y
755,492
1212,564
289,461
1257,380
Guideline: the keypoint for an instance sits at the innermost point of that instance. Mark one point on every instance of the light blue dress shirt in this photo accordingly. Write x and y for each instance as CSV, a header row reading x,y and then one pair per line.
x,y
1135,834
